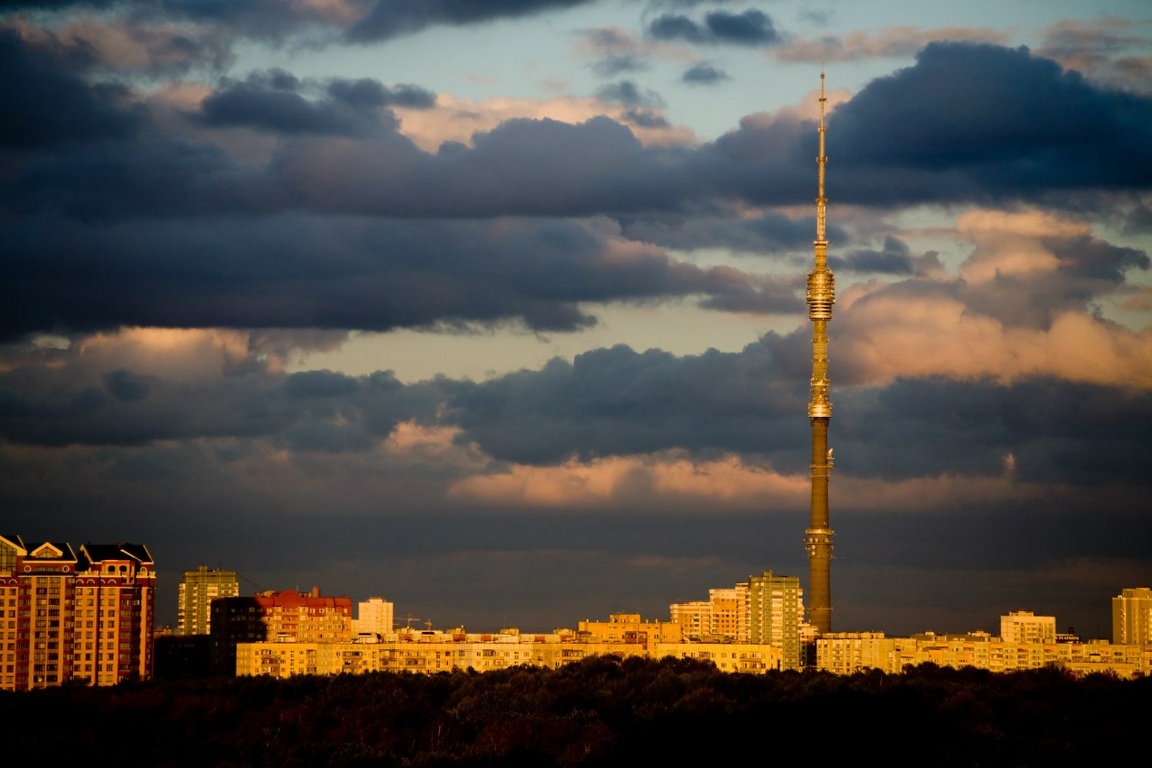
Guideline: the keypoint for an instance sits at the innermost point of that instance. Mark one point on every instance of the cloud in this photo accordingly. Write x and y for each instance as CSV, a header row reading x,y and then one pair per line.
x,y
751,27
703,74
46,104
894,258
891,143
458,120
1106,51
113,47
889,42
628,93
386,19
661,482
272,102
274,273
1013,126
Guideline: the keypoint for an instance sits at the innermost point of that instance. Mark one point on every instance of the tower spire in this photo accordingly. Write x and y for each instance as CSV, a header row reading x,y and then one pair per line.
x,y
820,295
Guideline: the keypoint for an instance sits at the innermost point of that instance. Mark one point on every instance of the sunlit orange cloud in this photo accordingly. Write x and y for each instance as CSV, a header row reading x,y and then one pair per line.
x,y
726,485
884,332
196,353
888,42
894,336
656,481
410,442
458,119
1011,244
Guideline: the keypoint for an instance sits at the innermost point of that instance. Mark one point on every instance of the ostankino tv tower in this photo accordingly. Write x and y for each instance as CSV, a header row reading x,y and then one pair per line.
x,y
821,294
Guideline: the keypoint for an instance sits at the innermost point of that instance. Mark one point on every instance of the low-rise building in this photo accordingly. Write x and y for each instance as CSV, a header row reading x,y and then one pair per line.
x,y
429,651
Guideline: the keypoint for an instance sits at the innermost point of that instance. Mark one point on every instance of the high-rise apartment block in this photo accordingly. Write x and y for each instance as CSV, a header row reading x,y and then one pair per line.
x,y
374,617
1132,617
68,616
776,615
1024,627
197,591
765,610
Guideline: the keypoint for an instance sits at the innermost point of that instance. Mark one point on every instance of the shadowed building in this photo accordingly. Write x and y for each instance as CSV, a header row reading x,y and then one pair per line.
x,y
197,591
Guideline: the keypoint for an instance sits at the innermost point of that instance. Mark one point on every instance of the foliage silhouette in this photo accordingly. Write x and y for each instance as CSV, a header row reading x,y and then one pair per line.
x,y
603,711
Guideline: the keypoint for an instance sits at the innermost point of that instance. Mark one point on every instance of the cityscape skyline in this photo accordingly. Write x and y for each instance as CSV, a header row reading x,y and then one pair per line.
x,y
503,309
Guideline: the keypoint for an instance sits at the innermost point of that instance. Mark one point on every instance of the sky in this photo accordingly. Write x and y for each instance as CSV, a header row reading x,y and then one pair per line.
x,y
496,309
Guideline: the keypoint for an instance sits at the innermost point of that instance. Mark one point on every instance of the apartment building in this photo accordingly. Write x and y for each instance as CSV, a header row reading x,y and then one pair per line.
x,y
197,591
1024,627
279,617
1132,616
71,616
428,651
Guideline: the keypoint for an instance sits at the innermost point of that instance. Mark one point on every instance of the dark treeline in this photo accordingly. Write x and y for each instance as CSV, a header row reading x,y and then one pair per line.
x,y
601,712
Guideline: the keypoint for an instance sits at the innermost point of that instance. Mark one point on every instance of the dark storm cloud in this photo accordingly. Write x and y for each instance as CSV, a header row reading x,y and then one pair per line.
x,y
612,402
44,103
80,251
751,27
392,18
770,232
368,92
703,74
272,102
895,258
1057,431
302,272
976,154
61,401
980,121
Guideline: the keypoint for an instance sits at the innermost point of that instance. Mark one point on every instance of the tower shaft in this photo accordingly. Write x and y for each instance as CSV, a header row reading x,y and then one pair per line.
x,y
820,295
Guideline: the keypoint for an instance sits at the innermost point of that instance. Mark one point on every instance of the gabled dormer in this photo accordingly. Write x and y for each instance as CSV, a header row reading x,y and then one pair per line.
x,y
49,557
47,551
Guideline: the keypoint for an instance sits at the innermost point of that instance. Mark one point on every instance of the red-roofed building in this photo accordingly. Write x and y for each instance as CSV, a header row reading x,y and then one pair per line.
x,y
281,617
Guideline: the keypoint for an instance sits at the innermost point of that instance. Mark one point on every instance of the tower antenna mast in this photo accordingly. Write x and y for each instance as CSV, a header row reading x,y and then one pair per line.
x,y
820,295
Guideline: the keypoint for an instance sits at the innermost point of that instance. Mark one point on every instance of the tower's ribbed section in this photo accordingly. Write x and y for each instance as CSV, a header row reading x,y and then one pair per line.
x,y
821,295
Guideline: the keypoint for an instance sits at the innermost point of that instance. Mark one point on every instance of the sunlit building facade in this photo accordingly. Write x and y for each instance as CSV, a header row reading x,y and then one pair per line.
x,y
374,617
765,610
1132,616
75,616
693,617
1024,627
428,651
776,615
850,652
279,617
